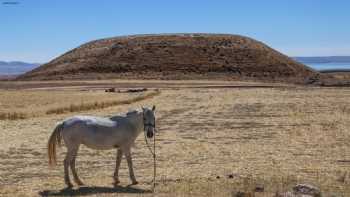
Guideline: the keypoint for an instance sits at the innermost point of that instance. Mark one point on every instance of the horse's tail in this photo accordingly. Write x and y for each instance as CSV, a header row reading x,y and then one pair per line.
x,y
55,138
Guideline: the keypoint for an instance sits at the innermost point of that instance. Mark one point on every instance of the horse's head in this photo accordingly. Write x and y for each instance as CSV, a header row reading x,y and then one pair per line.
x,y
149,121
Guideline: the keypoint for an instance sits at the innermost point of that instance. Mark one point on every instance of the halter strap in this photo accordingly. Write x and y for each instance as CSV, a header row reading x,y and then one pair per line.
x,y
144,131
148,124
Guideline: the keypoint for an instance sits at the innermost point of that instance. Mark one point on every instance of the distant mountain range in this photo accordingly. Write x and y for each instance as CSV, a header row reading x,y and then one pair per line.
x,y
17,63
326,59
16,67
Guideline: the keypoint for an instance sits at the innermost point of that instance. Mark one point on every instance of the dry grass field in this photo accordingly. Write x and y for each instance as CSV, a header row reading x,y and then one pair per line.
x,y
212,142
27,104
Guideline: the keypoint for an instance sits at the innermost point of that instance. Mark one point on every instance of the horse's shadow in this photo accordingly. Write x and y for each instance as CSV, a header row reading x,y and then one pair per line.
x,y
84,191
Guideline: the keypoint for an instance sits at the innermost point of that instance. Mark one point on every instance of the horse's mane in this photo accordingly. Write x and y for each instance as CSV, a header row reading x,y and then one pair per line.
x,y
127,114
132,112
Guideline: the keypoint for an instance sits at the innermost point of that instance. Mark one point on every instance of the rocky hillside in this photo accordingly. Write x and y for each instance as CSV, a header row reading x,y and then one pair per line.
x,y
174,56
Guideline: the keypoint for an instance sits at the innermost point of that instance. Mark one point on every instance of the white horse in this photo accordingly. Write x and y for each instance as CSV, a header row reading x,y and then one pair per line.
x,y
101,133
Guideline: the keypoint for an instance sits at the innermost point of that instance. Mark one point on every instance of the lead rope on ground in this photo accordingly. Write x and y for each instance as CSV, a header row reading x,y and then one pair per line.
x,y
154,162
154,157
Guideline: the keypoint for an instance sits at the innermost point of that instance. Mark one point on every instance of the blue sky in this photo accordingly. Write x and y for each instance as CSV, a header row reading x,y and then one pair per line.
x,y
40,30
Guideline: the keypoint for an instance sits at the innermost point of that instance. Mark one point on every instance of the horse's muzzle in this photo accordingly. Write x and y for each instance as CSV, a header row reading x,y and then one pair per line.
x,y
149,134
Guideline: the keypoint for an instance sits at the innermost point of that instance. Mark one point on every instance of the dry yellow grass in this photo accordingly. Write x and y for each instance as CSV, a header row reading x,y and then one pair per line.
x,y
100,104
26,104
12,115
271,137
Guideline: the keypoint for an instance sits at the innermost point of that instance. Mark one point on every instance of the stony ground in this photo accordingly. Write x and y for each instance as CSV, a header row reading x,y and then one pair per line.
x,y
211,141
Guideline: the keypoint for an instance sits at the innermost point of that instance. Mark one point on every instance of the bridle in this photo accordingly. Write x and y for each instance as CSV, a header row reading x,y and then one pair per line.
x,y
149,124
144,131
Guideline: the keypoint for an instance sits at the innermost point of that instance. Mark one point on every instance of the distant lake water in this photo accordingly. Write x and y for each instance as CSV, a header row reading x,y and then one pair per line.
x,y
326,66
15,70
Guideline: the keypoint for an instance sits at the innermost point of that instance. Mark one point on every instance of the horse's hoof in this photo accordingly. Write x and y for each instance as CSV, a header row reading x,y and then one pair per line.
x,y
69,185
80,183
135,183
116,183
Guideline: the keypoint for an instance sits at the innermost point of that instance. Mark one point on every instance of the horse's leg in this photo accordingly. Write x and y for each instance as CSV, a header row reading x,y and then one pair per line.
x,y
66,170
131,171
72,166
117,165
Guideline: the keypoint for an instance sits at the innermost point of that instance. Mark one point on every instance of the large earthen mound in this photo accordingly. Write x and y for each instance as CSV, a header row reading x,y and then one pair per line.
x,y
174,56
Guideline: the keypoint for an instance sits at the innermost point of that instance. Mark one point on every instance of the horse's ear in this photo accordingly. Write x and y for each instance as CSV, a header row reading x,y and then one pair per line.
x,y
153,108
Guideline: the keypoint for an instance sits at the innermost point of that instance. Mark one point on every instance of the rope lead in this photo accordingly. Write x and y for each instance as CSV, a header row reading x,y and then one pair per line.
x,y
154,162
154,157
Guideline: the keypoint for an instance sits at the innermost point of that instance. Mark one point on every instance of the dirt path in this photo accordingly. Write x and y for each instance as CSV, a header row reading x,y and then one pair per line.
x,y
123,84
